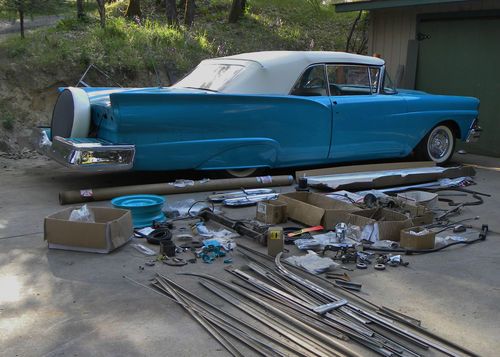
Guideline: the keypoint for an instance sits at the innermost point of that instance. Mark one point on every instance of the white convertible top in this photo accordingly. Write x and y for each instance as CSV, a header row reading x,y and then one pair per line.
x,y
275,72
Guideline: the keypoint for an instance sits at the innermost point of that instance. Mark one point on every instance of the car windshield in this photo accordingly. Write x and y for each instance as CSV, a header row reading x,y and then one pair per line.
x,y
213,77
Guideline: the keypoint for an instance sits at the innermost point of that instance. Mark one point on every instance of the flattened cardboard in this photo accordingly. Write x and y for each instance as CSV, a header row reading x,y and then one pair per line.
x,y
314,209
390,223
386,181
411,241
112,229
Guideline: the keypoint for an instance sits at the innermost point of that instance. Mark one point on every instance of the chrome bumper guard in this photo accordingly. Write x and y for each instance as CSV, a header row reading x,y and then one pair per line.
x,y
86,154
474,134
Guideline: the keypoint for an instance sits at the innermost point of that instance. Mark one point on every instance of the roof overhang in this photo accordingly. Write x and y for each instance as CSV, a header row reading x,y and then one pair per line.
x,y
347,6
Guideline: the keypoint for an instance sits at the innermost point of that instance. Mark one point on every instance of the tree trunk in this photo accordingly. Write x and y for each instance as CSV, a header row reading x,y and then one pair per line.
x,y
189,13
171,11
102,12
80,12
21,22
133,9
236,11
353,27
182,5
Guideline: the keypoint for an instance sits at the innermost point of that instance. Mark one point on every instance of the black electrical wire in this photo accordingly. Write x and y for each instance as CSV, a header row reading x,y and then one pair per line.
x,y
482,237
195,203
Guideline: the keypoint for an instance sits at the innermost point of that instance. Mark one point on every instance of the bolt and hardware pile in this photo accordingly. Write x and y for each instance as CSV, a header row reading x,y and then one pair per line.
x,y
282,311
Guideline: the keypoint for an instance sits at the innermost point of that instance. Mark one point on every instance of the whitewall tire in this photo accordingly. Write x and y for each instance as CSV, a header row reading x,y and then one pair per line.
x,y
440,144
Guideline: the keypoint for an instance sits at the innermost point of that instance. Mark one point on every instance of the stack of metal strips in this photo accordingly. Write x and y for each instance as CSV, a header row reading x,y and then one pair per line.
x,y
277,312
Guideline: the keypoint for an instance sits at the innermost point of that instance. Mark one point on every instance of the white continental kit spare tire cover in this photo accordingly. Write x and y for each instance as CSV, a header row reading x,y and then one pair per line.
x,y
71,115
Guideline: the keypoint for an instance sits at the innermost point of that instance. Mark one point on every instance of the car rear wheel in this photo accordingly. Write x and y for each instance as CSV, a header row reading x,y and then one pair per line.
x,y
241,172
438,145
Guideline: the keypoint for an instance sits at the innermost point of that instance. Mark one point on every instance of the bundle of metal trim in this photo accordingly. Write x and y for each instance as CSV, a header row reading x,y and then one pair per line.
x,y
289,315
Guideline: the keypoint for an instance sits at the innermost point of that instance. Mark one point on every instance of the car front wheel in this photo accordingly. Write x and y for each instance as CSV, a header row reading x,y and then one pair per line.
x,y
438,145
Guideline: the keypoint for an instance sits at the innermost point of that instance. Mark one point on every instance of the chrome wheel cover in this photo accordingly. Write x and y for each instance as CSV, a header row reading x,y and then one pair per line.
x,y
439,143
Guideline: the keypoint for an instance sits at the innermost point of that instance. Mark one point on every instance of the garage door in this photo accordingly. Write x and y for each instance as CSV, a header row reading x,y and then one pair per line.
x,y
461,57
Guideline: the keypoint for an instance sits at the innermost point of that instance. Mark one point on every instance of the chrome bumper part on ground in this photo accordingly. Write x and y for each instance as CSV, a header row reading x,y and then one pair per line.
x,y
86,154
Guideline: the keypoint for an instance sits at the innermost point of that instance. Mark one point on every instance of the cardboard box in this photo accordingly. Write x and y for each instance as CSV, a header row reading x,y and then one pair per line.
x,y
426,218
388,223
314,209
112,229
424,239
272,212
275,241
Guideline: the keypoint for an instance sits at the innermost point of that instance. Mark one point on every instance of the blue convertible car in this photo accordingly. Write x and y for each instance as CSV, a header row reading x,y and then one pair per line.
x,y
258,110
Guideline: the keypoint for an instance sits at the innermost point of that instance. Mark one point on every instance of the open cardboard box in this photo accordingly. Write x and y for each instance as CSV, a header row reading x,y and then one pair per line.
x,y
386,223
112,229
314,209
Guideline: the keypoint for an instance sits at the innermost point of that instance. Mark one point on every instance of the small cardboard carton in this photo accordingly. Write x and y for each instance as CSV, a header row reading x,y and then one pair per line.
x,y
388,223
419,214
272,212
112,229
314,209
417,238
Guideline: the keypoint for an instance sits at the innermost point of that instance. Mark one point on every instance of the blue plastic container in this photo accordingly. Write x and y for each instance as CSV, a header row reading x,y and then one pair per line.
x,y
144,208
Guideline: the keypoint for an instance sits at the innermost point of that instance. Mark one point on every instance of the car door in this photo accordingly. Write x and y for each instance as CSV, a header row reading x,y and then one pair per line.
x,y
366,124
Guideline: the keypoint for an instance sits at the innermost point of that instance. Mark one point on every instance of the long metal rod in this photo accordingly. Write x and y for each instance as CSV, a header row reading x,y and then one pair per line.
x,y
386,323
376,307
215,320
321,336
264,333
293,335
304,307
271,260
203,322
365,339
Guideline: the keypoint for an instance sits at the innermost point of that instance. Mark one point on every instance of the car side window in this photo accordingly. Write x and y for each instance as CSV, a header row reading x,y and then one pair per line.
x,y
312,82
346,79
387,86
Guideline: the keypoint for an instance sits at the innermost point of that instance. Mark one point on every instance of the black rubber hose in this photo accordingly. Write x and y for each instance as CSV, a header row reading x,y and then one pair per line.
x,y
482,236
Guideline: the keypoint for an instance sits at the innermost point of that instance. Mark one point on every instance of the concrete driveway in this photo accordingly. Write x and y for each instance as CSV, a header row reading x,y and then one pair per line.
x,y
60,303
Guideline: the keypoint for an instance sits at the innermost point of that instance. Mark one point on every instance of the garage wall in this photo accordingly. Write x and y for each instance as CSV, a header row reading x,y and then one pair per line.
x,y
392,29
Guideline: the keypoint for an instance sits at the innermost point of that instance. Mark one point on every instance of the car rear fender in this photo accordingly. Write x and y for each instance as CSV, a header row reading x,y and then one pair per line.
x,y
208,154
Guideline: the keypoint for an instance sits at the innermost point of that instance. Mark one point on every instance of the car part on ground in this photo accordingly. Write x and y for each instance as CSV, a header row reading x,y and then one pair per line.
x,y
145,209
237,226
101,194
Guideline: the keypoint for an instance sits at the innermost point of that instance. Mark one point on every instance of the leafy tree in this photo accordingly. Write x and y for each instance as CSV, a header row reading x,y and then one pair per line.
x,y
80,11
23,8
133,9
189,13
101,7
237,9
171,12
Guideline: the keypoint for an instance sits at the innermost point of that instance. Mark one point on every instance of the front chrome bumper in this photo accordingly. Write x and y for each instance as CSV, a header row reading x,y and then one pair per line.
x,y
85,154
473,135
474,132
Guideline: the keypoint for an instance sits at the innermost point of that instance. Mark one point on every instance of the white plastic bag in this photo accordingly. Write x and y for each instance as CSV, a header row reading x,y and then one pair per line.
x,y
83,214
312,262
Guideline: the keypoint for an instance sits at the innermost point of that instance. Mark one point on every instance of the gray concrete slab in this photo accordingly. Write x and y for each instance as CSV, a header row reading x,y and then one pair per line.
x,y
55,303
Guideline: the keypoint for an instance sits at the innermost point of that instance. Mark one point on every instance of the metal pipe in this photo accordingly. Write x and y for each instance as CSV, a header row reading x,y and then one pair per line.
x,y
321,336
101,194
